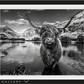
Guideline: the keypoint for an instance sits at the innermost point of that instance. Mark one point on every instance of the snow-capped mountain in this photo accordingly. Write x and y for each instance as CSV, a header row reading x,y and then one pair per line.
x,y
61,24
76,27
30,34
77,23
73,29
8,32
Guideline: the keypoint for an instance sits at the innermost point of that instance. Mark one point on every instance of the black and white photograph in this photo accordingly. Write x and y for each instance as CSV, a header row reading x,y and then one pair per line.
x,y
41,41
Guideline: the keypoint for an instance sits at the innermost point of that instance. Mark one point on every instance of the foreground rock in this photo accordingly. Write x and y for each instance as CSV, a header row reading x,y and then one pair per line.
x,y
80,38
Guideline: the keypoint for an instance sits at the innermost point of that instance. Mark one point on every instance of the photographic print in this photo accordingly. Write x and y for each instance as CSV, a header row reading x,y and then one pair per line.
x,y
41,41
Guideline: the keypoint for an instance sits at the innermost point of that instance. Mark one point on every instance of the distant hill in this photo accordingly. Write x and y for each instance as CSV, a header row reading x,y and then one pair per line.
x,y
73,30
8,32
76,26
30,34
77,23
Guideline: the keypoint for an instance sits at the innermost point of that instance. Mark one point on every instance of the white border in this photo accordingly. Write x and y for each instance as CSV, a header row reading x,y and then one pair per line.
x,y
38,77
41,77
41,7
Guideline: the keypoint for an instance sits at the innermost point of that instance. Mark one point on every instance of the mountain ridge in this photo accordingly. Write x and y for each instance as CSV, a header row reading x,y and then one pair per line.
x,y
8,32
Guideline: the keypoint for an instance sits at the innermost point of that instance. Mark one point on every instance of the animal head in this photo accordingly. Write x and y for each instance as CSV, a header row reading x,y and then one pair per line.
x,y
48,32
49,35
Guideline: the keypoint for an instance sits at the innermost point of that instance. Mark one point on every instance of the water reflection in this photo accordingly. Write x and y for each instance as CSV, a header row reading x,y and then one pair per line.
x,y
17,54
36,42
72,48
49,71
80,48
73,56
22,55
5,47
73,52
28,54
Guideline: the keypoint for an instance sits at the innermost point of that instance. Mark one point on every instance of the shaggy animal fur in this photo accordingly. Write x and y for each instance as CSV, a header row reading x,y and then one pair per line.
x,y
51,50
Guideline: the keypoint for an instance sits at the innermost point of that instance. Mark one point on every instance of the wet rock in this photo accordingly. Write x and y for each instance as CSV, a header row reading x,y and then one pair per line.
x,y
80,38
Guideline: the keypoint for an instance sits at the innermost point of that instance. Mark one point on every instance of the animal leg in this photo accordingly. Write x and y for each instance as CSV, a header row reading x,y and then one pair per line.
x,y
56,63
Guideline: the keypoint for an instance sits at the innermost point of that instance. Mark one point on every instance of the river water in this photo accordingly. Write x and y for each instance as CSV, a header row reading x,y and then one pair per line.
x,y
28,54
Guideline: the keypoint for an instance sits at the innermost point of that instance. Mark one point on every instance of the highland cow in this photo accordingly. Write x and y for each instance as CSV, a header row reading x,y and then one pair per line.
x,y
51,48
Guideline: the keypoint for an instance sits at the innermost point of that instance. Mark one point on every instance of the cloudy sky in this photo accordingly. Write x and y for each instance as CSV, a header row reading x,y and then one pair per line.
x,y
17,21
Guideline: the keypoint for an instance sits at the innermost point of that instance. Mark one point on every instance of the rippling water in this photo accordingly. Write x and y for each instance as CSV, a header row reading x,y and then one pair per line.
x,y
28,54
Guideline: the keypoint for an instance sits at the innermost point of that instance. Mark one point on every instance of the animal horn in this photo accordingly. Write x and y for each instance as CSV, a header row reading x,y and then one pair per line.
x,y
70,21
32,24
